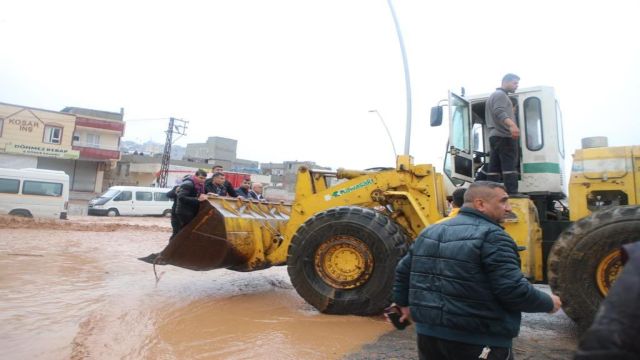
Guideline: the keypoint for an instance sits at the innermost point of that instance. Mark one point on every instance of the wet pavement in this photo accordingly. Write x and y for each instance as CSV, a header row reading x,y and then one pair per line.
x,y
74,290
542,336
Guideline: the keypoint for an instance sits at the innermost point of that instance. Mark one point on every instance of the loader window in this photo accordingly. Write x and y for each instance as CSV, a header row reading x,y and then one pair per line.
x,y
447,170
533,123
560,130
478,137
460,126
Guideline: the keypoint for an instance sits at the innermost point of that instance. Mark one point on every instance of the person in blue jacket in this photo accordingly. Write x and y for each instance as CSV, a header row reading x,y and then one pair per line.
x,y
462,285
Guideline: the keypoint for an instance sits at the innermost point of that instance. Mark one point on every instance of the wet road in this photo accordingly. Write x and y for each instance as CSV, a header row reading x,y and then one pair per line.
x,y
74,290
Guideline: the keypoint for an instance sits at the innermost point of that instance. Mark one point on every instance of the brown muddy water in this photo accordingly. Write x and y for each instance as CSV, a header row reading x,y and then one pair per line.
x,y
75,290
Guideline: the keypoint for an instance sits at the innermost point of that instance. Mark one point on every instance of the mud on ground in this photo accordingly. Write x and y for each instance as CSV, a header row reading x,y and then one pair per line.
x,y
74,289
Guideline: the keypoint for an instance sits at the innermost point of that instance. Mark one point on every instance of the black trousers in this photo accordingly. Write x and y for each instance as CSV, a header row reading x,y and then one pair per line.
x,y
503,160
175,225
431,348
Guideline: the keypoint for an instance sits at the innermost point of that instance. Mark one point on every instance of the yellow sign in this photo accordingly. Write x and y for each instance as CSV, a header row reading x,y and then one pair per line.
x,y
42,150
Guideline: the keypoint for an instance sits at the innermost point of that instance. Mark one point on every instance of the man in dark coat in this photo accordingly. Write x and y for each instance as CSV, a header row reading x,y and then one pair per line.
x,y
190,194
175,223
615,332
244,189
216,185
462,285
230,191
183,209
256,191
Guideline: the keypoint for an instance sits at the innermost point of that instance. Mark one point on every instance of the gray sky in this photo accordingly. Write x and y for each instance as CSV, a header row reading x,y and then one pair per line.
x,y
294,80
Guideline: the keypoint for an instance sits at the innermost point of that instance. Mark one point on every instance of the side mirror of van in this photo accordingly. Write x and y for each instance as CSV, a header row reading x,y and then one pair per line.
x,y
436,116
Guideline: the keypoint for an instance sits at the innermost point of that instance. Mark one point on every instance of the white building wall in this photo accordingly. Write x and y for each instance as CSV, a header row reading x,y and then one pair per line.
x,y
18,161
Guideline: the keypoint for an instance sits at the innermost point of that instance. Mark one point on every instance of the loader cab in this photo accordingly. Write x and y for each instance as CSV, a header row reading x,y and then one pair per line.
x,y
541,144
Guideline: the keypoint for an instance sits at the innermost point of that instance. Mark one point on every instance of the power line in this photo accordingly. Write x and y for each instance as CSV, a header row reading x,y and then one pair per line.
x,y
149,119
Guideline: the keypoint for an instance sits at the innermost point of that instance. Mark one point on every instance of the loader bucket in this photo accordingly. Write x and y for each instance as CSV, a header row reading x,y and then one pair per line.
x,y
232,233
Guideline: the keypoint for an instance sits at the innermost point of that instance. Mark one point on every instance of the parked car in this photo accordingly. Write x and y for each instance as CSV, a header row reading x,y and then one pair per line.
x,y
132,200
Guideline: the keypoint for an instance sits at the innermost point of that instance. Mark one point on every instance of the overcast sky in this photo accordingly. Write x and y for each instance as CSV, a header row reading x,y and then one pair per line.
x,y
295,80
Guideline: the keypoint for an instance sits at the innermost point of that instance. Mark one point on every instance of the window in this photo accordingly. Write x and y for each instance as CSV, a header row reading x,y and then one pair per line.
x,y
1,125
460,124
447,169
93,140
161,196
110,193
9,186
533,123
560,130
478,137
144,196
41,188
123,196
52,134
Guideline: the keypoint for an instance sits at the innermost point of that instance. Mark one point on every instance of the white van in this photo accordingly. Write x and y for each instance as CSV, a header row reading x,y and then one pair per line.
x,y
34,192
132,200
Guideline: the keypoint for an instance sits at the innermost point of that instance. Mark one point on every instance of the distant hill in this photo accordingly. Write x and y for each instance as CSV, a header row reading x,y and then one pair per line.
x,y
151,148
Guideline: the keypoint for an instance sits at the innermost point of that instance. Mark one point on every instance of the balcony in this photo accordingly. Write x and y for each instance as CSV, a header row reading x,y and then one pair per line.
x,y
107,125
91,151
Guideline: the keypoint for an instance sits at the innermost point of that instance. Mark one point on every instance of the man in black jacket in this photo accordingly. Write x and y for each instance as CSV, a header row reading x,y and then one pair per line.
x,y
244,188
190,193
175,223
229,190
178,219
615,331
462,285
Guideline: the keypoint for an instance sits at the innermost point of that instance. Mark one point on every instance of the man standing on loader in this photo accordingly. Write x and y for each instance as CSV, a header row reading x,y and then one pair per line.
x,y
462,284
503,135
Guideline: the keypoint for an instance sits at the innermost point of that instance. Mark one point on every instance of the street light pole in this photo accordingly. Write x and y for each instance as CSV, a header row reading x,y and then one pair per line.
x,y
407,137
395,153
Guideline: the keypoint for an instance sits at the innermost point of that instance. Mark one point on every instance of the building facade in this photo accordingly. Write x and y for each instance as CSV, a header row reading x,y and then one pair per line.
x,y
81,142
217,149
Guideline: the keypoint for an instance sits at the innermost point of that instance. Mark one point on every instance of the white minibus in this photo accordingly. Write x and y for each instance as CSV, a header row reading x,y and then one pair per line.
x,y
132,200
34,193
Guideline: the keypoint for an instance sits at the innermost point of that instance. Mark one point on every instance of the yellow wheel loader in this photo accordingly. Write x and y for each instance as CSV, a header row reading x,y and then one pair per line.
x,y
344,233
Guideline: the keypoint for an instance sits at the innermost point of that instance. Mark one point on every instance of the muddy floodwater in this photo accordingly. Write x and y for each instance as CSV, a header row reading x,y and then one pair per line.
x,y
75,290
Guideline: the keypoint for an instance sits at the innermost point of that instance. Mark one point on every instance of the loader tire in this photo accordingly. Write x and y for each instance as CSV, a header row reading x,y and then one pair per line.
x,y
343,260
585,260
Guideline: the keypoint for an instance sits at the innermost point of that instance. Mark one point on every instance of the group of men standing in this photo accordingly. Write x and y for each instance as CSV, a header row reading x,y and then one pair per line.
x,y
196,188
219,185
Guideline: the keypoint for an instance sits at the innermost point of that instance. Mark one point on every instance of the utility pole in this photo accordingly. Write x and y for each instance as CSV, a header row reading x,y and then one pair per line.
x,y
178,126
405,64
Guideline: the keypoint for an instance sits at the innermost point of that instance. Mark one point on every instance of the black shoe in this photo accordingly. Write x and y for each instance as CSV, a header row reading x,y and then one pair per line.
x,y
149,259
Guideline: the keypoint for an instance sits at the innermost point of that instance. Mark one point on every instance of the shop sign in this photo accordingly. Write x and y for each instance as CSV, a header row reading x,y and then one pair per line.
x,y
42,150
24,125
